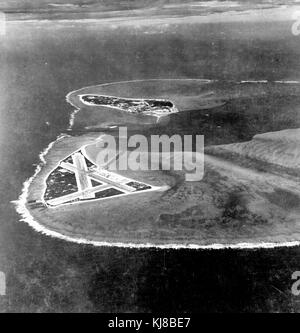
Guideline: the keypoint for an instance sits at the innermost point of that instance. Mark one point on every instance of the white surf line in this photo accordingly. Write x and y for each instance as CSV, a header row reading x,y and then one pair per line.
x,y
28,218
255,81
59,164
287,82
269,81
73,113
72,116
76,109
26,184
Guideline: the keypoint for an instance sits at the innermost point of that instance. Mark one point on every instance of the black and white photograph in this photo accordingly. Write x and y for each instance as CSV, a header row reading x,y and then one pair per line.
x,y
150,158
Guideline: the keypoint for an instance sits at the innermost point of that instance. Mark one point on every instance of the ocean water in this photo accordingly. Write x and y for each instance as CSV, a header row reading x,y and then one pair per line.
x,y
40,63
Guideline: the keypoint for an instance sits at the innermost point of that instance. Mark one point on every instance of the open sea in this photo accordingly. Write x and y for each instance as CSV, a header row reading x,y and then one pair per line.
x,y
40,63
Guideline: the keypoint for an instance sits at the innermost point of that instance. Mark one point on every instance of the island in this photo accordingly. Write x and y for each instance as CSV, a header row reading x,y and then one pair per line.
x,y
249,195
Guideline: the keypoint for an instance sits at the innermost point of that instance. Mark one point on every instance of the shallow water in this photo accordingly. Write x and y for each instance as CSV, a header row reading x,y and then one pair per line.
x,y
40,64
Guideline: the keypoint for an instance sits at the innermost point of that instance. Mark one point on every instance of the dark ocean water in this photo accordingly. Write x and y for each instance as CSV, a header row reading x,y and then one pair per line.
x,y
39,64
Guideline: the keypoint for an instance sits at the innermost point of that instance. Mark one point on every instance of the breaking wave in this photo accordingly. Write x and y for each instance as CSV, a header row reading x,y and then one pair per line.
x,y
281,147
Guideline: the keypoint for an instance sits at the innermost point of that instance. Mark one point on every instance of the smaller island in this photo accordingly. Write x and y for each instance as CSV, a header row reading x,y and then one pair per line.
x,y
137,106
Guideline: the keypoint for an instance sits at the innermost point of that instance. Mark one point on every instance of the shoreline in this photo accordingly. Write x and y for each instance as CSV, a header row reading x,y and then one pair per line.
x,y
29,219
